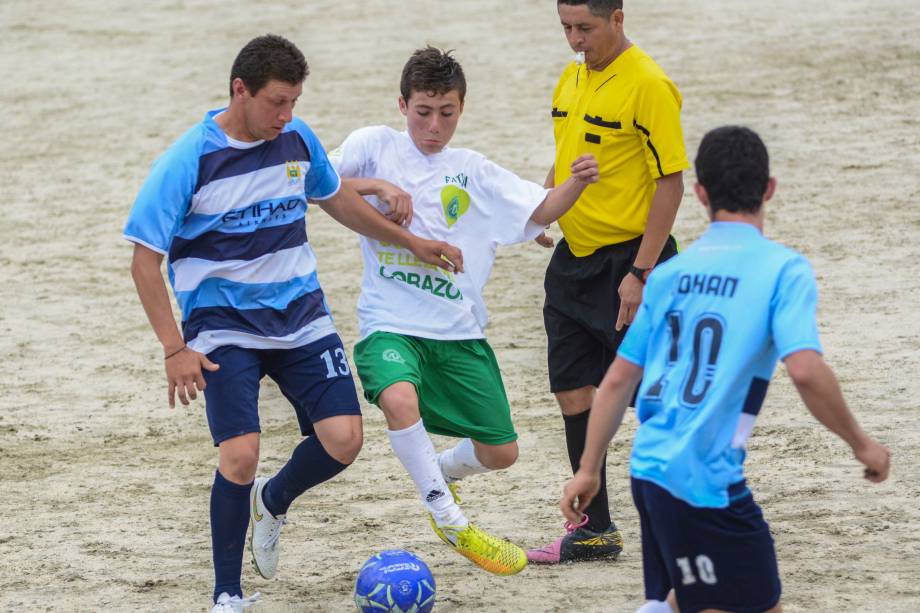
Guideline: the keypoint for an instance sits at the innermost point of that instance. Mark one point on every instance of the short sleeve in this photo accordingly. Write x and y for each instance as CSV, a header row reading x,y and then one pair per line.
x,y
322,181
634,347
512,201
165,196
793,309
658,121
350,159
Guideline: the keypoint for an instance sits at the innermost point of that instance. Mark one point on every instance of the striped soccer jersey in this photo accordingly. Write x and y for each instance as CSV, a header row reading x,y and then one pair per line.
x,y
230,217
713,322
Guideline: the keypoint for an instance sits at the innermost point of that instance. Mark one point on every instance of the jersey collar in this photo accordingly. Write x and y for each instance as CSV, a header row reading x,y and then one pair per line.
x,y
728,229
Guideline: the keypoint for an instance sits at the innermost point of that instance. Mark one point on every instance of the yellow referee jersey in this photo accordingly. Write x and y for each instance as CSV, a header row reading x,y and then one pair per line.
x,y
628,116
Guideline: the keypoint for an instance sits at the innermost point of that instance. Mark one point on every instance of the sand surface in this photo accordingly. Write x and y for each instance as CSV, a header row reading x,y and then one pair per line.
x,y
107,489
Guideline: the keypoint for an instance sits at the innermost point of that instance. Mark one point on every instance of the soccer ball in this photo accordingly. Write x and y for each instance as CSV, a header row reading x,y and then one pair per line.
x,y
394,581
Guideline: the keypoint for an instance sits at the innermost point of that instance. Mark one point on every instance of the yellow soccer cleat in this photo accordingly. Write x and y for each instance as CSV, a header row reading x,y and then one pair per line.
x,y
489,552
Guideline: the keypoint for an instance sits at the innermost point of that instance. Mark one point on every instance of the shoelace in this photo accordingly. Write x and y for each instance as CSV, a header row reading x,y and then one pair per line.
x,y
495,549
570,527
451,533
250,600
235,603
275,534
494,546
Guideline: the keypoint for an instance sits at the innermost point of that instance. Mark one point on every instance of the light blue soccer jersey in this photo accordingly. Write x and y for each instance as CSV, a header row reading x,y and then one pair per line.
x,y
713,322
230,217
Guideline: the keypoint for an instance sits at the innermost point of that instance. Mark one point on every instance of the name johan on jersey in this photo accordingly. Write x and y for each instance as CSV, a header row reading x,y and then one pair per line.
x,y
713,323
230,217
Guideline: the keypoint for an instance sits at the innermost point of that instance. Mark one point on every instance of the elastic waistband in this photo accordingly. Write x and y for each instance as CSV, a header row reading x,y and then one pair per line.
x,y
738,490
632,243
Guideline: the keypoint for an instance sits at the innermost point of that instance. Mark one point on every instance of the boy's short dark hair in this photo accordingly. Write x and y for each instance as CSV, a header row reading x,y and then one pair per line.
x,y
598,8
733,165
268,57
432,71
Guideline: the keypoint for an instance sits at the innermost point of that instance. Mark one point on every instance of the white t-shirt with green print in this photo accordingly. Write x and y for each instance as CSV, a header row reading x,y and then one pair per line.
x,y
458,196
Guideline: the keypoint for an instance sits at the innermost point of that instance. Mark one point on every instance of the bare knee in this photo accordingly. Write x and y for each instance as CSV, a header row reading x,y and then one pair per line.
x,y
399,403
341,436
239,458
346,448
496,457
573,402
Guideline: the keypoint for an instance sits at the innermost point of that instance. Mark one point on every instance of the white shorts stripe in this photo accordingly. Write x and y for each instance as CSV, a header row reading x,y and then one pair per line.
x,y
210,340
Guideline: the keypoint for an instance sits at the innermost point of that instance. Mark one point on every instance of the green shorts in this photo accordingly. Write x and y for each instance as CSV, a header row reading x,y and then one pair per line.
x,y
459,386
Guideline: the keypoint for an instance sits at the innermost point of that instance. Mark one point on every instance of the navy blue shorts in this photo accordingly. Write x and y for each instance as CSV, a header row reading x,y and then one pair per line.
x,y
713,558
315,378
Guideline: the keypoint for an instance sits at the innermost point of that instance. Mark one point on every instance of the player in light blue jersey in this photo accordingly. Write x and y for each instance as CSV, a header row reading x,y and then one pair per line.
x,y
713,323
226,205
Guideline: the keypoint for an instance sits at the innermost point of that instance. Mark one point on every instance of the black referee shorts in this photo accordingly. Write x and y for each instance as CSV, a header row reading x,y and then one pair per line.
x,y
580,311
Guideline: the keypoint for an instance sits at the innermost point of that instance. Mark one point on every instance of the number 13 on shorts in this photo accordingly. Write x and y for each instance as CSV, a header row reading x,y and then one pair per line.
x,y
336,363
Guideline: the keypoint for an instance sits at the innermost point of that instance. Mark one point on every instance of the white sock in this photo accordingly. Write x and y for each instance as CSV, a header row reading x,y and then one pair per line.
x,y
655,606
460,461
414,449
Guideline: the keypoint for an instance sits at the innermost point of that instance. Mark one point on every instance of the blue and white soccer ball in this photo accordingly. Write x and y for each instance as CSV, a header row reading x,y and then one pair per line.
x,y
394,581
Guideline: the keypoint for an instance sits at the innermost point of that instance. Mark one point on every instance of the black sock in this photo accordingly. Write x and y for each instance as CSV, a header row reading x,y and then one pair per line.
x,y
310,465
576,429
229,521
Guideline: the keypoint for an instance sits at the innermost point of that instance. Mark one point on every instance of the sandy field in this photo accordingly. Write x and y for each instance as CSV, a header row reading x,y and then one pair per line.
x,y
107,489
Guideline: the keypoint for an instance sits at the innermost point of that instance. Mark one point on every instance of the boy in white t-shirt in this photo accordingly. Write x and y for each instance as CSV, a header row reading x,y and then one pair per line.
x,y
423,357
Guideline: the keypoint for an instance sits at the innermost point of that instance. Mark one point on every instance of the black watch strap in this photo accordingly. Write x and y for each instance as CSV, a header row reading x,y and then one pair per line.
x,y
640,273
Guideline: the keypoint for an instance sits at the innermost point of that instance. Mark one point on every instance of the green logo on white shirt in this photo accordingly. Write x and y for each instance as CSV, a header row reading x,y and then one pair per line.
x,y
456,202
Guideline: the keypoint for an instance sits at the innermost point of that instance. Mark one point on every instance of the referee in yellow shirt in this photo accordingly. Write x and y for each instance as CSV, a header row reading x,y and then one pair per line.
x,y
616,103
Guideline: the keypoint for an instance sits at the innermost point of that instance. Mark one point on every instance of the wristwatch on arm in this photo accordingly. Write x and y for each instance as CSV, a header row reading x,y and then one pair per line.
x,y
640,273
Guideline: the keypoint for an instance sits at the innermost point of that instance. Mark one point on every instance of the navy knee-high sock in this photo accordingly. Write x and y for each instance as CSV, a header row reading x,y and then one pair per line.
x,y
229,521
309,465
576,429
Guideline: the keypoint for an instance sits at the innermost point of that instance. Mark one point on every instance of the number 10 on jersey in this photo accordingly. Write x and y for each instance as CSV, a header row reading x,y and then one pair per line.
x,y
706,337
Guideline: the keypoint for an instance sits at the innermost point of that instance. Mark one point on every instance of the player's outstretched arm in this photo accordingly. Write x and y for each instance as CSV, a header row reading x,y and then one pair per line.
x,y
353,212
819,389
398,201
183,365
561,198
607,410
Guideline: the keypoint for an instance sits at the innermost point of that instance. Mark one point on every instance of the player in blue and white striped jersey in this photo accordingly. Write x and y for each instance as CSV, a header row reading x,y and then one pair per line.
x,y
713,323
230,218
226,206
